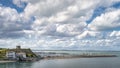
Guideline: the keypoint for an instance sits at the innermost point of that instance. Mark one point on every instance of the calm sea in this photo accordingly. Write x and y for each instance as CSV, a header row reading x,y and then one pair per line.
x,y
108,62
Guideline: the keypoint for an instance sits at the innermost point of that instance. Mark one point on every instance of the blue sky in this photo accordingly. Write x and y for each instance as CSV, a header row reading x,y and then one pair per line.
x,y
60,24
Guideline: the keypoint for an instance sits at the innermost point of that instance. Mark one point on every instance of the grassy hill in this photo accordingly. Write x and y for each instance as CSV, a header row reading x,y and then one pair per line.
x,y
3,53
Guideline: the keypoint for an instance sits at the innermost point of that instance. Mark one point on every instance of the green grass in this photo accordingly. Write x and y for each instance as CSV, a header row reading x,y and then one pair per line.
x,y
2,53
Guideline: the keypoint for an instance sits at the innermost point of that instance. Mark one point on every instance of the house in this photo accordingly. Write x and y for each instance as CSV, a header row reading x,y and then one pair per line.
x,y
22,55
11,55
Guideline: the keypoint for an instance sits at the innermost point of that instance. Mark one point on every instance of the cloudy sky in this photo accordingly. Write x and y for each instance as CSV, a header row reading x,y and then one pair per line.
x,y
60,24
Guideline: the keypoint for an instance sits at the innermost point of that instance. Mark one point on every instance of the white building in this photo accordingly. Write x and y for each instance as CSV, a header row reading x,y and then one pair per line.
x,y
22,55
11,54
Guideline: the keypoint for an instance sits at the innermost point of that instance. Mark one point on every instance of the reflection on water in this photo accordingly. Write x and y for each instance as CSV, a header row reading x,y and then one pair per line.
x,y
16,65
112,62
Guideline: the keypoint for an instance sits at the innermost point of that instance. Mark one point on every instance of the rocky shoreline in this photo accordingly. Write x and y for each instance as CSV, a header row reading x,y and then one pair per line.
x,y
6,61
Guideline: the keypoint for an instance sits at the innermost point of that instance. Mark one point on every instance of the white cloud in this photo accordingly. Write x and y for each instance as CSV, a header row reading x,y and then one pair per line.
x,y
115,34
107,21
90,35
12,23
71,29
8,18
53,24
59,17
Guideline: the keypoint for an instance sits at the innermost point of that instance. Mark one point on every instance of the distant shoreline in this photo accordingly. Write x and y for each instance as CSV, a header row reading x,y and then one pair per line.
x,y
82,50
77,56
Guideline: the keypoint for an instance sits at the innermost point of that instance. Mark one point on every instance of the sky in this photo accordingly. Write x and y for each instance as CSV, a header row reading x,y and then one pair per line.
x,y
60,24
